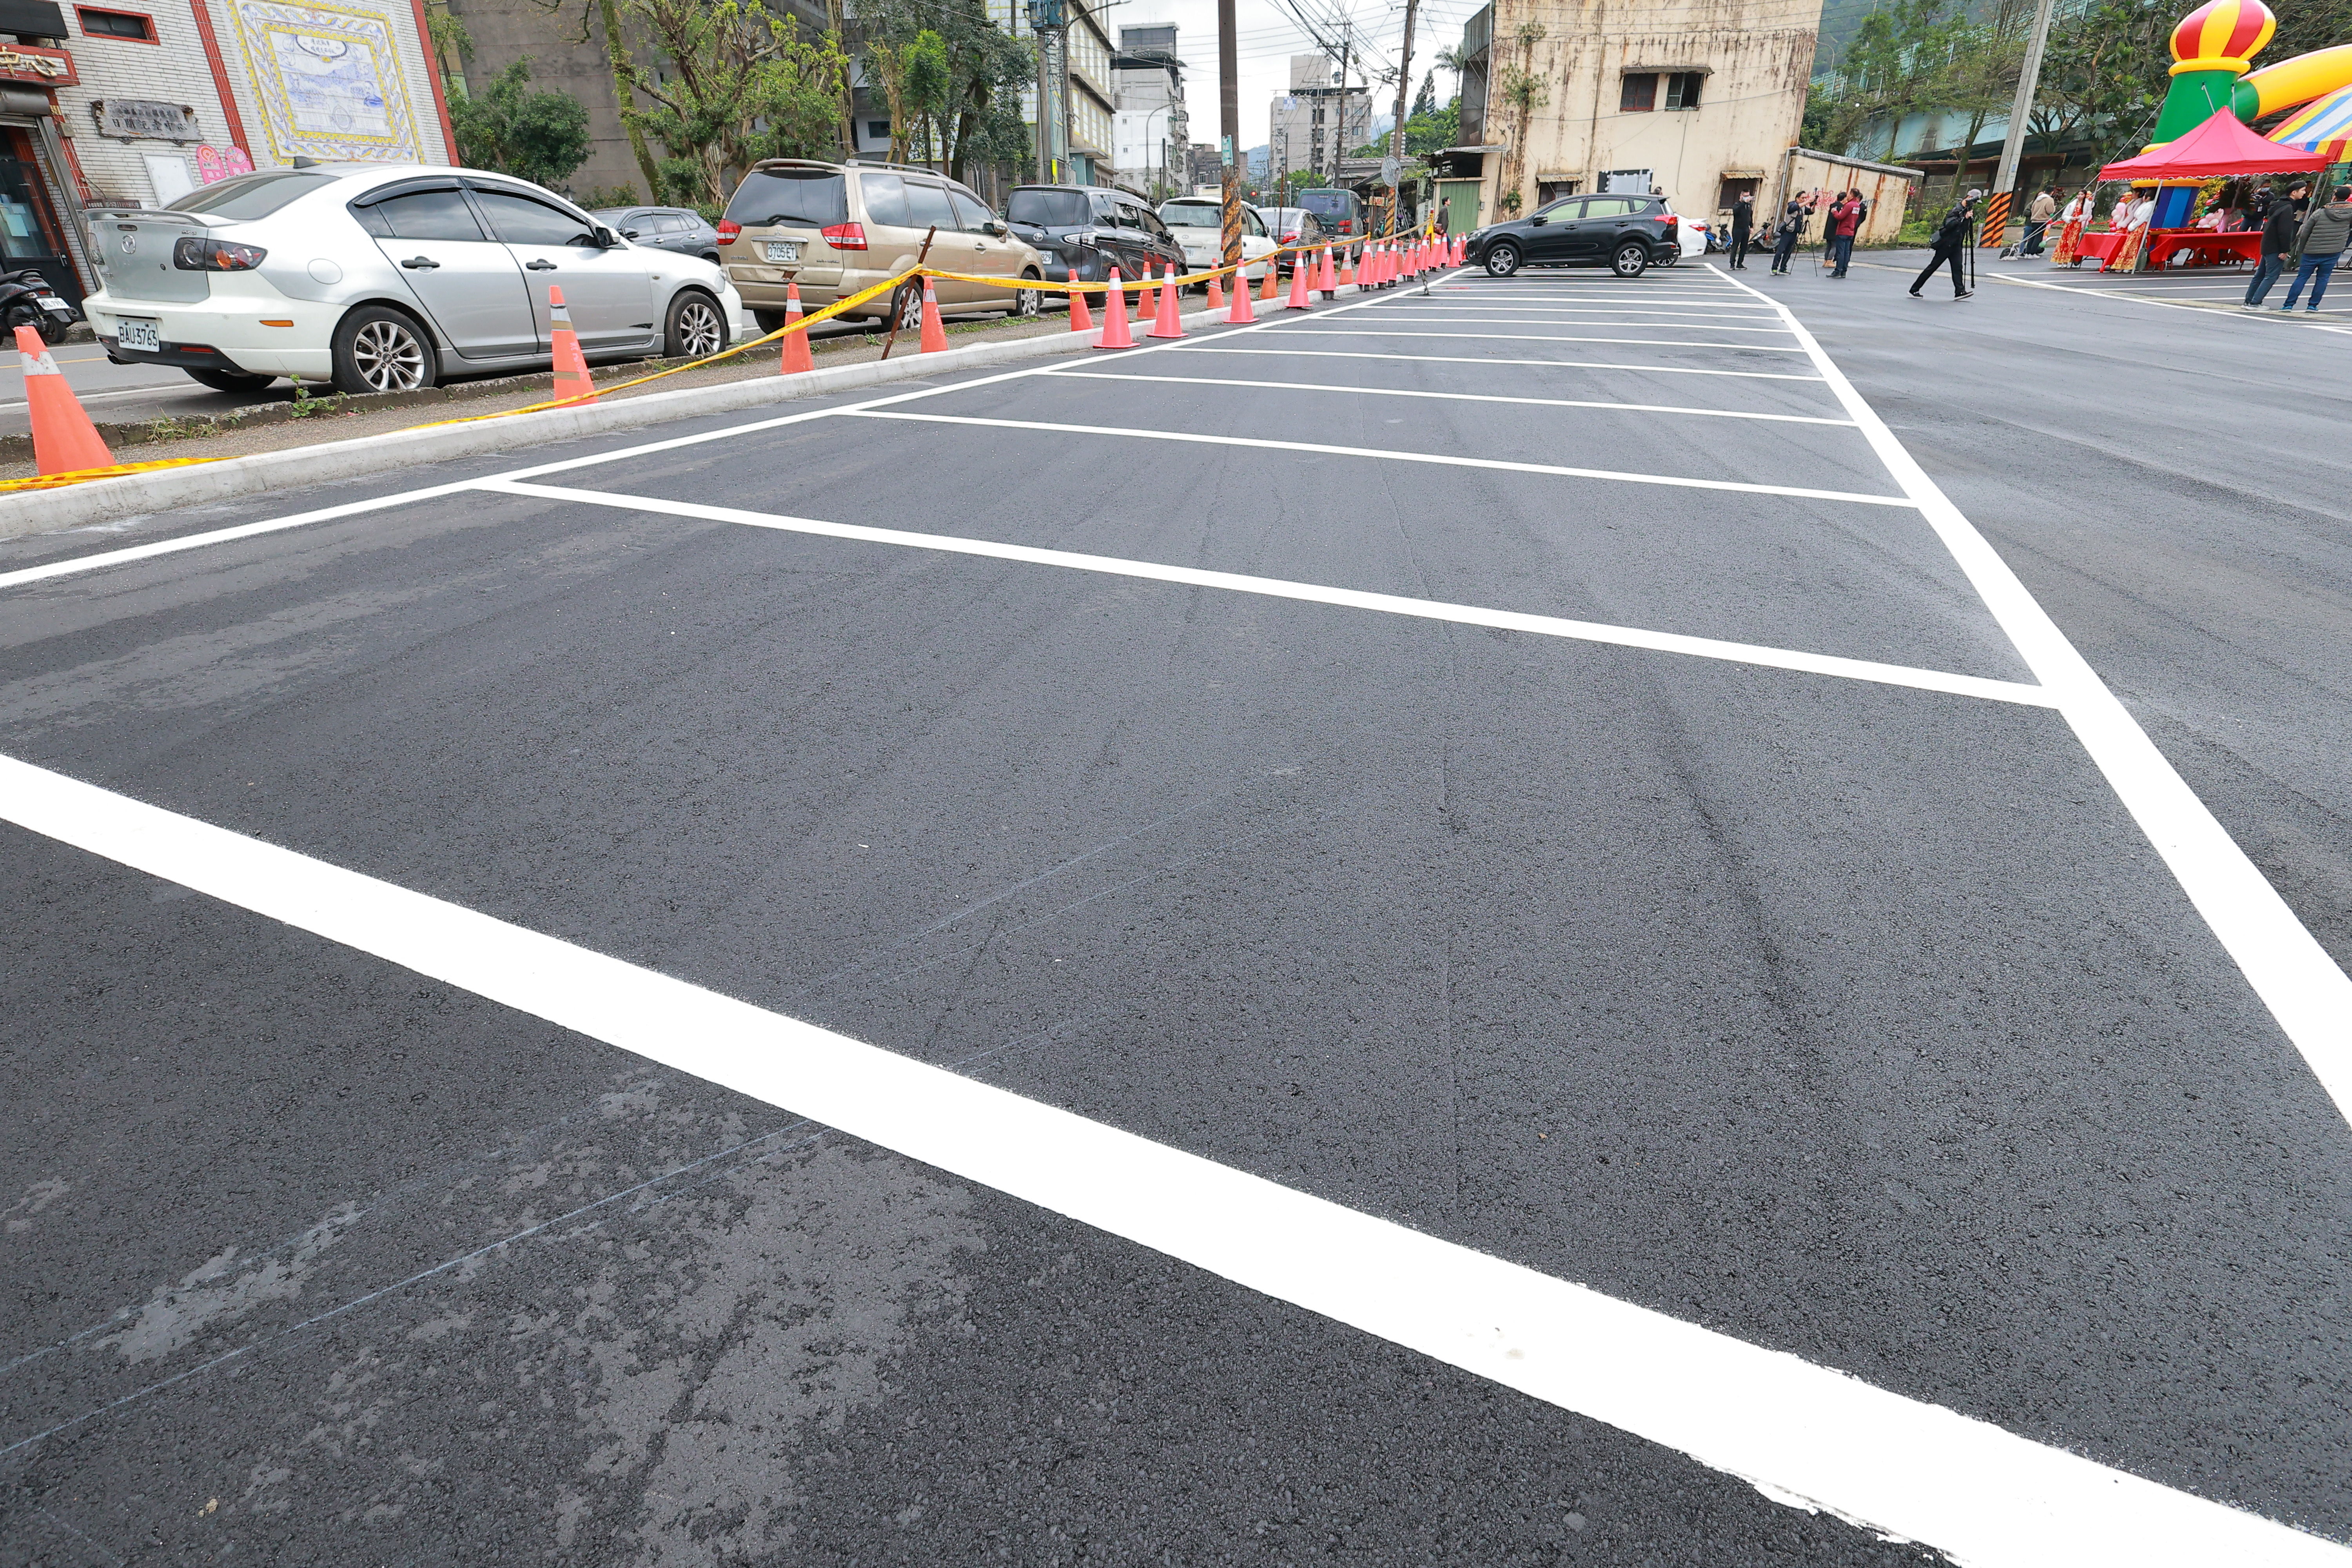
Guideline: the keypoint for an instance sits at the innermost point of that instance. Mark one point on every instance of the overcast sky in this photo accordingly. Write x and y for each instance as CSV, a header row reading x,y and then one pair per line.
x,y
1271,34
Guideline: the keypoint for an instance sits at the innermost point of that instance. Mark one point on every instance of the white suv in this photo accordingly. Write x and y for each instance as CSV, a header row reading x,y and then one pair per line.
x,y
382,278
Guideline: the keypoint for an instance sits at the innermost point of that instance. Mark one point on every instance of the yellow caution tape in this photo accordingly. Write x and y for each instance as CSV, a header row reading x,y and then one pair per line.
x,y
51,481
112,471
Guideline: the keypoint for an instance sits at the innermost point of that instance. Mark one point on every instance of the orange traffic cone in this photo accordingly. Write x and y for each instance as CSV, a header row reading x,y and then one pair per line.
x,y
1169,324
1216,291
1347,270
64,440
935,331
1081,319
1115,334
1241,316
1298,299
1273,265
1326,281
571,380
796,356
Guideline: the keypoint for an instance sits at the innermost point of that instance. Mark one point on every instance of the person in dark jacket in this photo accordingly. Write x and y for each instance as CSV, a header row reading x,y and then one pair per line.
x,y
1952,239
2319,244
1789,230
1743,223
2279,225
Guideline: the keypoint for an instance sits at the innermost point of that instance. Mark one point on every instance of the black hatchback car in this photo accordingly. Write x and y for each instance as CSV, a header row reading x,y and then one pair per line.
x,y
1627,235
1081,232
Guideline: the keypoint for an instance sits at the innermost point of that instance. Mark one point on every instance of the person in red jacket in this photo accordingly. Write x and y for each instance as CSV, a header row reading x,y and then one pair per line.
x,y
1845,222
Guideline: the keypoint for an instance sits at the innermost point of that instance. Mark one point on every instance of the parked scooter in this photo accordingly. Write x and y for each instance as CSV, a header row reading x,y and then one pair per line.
x,y
26,299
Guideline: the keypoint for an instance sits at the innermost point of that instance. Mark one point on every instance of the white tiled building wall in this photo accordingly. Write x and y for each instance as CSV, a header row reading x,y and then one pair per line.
x,y
171,70
175,70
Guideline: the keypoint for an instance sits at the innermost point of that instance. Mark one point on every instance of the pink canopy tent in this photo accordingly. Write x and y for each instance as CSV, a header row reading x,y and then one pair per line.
x,y
2222,146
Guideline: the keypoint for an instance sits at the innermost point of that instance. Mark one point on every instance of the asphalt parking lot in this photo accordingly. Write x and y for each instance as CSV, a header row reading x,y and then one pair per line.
x,y
1476,926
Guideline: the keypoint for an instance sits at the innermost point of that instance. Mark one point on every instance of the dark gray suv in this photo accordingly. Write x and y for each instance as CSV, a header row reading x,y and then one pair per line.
x,y
1627,235
681,229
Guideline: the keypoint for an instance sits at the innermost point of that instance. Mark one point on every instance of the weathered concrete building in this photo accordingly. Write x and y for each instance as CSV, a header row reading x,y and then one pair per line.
x,y
1700,100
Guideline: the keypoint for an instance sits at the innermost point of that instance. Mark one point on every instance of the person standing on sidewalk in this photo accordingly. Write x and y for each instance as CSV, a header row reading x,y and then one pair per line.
x,y
2320,243
1951,243
2279,227
1743,223
1845,222
2037,219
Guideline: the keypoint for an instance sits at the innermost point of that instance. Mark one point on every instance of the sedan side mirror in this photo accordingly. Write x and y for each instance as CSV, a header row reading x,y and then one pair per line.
x,y
1537,221
628,234
605,238
995,226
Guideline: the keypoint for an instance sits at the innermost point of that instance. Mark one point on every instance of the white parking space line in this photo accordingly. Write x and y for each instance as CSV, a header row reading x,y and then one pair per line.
x,y
100,559
1481,359
2305,990
1452,396
1315,593
1532,338
1443,460
1799,1432
1668,325
1706,312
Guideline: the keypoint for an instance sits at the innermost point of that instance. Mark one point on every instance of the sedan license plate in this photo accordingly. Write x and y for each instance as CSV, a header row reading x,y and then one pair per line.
x,y
138,334
783,251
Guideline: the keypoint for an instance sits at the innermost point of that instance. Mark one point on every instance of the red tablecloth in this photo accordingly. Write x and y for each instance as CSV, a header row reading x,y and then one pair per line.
x,y
2100,246
2205,247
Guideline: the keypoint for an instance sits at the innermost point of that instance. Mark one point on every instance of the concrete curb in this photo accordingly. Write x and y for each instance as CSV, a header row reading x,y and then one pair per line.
x,y
100,501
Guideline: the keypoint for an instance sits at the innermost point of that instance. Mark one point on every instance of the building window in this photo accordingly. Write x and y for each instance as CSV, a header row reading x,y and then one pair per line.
x,y
118,24
1681,89
1639,93
877,131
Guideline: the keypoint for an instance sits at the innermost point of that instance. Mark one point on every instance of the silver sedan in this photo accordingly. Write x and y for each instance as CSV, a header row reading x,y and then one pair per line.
x,y
380,278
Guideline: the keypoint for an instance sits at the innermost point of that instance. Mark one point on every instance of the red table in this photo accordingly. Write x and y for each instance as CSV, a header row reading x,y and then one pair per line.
x,y
2100,246
2205,247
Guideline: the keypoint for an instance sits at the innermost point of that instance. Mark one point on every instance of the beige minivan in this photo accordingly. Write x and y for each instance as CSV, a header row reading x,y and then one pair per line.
x,y
836,228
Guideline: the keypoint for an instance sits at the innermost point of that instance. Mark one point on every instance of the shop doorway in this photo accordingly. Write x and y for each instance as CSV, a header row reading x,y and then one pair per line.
x,y
29,228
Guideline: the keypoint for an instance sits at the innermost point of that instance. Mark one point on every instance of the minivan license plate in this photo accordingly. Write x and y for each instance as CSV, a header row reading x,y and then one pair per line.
x,y
138,334
783,251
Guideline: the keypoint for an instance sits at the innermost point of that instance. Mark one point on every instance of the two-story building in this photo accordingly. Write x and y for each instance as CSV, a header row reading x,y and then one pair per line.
x,y
1700,100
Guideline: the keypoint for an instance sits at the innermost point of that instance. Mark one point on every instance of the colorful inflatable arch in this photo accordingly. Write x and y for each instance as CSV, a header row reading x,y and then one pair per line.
x,y
2213,53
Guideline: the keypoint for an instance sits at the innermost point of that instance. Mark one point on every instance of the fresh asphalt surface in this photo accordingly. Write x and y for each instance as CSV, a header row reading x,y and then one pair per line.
x,y
120,394
1844,1018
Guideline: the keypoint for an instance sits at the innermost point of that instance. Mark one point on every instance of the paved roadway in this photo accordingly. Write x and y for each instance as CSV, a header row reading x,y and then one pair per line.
x,y
117,393
1463,895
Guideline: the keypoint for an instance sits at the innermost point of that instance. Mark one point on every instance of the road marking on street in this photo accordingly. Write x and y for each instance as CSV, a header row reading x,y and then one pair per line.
x,y
1452,396
2264,314
1303,331
1669,325
1444,460
1799,1432
1312,592
2307,992
94,561
1483,359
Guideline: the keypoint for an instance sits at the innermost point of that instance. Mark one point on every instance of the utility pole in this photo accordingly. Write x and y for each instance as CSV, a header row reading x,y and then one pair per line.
x,y
1041,19
1229,131
1396,135
1339,127
2020,115
1069,140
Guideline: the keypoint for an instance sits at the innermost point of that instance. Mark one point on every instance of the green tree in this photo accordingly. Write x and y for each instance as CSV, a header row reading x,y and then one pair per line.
x,y
742,85
977,120
929,80
608,15
538,136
